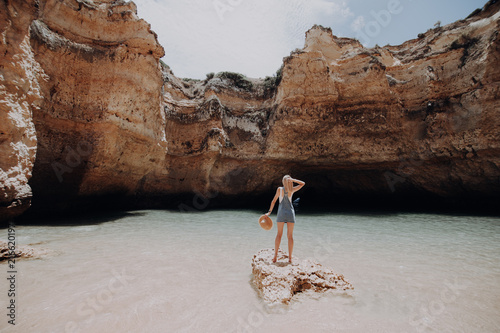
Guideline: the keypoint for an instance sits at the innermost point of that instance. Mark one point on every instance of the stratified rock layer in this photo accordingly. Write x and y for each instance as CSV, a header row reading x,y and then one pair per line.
x,y
279,282
100,127
416,120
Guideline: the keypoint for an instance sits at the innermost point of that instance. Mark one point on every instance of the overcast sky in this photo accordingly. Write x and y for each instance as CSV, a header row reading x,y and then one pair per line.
x,y
253,36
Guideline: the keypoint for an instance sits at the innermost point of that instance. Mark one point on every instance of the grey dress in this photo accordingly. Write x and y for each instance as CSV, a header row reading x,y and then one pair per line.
x,y
286,213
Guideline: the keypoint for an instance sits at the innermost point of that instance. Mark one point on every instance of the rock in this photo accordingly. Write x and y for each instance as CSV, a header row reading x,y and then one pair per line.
x,y
21,252
100,128
86,76
279,282
20,97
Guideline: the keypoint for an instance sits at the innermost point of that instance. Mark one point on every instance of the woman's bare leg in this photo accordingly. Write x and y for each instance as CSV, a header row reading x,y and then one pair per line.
x,y
277,242
289,232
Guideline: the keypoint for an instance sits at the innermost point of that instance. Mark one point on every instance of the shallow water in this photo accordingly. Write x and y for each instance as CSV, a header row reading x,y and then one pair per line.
x,y
163,271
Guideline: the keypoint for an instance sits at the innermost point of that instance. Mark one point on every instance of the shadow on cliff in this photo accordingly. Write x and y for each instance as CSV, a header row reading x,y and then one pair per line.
x,y
311,202
315,201
318,197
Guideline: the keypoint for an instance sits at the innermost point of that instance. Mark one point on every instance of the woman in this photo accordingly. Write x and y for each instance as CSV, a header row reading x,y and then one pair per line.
x,y
286,213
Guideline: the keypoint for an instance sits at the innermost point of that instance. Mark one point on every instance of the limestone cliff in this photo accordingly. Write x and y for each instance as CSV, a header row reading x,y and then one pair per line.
x,y
419,119
115,126
100,130
20,96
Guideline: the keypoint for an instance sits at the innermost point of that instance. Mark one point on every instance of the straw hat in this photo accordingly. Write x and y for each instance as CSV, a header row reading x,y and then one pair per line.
x,y
265,222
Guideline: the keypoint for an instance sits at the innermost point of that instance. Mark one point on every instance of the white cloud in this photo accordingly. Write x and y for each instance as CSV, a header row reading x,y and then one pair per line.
x,y
246,36
358,24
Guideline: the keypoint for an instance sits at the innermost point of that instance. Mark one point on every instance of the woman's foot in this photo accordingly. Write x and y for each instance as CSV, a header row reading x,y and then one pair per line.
x,y
274,259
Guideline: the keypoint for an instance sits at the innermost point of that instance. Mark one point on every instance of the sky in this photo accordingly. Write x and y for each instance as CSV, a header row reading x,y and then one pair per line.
x,y
252,36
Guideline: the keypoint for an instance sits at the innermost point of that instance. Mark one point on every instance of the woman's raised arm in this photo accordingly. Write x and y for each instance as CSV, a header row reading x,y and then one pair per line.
x,y
299,186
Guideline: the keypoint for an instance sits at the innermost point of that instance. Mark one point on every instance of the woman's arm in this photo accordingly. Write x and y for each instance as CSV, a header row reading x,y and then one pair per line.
x,y
276,196
298,187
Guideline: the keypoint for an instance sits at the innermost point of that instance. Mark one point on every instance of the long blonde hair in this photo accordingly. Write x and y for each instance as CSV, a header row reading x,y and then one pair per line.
x,y
287,184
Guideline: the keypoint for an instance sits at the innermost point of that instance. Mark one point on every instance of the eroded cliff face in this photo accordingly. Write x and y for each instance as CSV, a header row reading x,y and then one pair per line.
x,y
20,77
419,119
112,123
100,130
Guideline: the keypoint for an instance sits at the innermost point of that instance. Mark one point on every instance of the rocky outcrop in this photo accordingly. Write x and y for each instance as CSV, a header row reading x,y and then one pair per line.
x,y
20,97
23,251
115,126
279,282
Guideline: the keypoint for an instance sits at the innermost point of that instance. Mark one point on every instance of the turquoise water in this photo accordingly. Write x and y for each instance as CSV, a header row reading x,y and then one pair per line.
x,y
165,271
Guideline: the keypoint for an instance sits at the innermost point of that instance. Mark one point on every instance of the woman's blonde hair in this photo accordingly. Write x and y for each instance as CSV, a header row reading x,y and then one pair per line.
x,y
287,184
